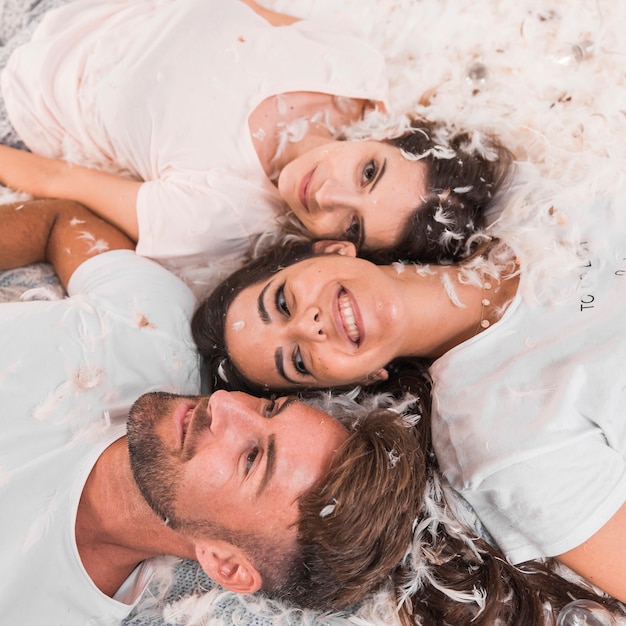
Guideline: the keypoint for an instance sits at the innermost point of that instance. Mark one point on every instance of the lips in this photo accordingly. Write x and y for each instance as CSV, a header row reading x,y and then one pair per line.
x,y
182,417
194,423
303,191
348,317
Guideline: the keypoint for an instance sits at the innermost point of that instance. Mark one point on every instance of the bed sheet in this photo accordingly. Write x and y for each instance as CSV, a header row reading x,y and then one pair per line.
x,y
546,76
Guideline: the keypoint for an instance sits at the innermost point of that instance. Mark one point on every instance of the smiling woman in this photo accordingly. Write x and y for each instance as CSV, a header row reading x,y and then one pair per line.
x,y
399,188
527,367
310,316
365,190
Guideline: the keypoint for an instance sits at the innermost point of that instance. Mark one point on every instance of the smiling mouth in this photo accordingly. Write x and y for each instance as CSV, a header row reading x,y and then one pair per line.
x,y
348,318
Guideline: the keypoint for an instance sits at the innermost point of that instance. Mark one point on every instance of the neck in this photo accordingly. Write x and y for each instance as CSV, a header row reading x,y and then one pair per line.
x,y
451,308
115,528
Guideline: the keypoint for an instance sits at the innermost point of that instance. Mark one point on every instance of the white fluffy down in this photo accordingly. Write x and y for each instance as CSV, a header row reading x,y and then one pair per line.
x,y
548,77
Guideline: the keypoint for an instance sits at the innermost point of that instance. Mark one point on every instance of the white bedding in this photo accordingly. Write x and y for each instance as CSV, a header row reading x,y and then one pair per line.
x,y
548,76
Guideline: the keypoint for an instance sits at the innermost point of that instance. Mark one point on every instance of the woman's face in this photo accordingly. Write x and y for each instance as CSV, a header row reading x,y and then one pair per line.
x,y
363,191
325,321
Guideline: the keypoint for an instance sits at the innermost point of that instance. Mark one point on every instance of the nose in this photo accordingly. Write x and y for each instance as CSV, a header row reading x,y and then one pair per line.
x,y
333,195
229,409
308,325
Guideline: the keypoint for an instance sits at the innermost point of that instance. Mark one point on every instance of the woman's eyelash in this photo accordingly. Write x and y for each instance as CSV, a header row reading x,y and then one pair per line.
x,y
369,172
280,300
298,363
353,233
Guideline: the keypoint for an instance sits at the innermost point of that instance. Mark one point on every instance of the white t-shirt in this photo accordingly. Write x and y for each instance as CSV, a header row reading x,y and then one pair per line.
x,y
164,89
530,416
69,371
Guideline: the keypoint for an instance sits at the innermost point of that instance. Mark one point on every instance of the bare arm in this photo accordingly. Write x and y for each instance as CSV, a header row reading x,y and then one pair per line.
x,y
602,558
112,197
274,18
61,232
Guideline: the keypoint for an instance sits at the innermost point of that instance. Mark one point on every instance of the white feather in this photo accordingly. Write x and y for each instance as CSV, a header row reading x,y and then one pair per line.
x,y
41,525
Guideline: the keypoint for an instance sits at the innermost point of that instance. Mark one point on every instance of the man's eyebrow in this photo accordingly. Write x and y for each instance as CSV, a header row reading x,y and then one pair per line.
x,y
260,305
381,173
279,362
270,464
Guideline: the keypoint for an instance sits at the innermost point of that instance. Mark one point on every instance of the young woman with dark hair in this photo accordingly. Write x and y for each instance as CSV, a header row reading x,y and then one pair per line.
x,y
526,343
201,139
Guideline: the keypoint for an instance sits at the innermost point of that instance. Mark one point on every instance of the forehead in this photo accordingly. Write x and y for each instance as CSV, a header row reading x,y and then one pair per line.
x,y
307,439
249,340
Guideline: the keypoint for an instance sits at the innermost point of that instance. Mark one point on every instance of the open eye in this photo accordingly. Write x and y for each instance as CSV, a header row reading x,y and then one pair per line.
x,y
269,407
353,232
281,302
369,172
251,458
298,363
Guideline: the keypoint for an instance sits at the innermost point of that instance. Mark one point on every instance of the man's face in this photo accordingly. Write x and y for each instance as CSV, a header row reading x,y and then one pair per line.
x,y
229,460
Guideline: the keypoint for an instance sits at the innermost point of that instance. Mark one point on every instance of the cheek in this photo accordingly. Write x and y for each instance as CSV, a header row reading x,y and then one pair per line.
x,y
332,369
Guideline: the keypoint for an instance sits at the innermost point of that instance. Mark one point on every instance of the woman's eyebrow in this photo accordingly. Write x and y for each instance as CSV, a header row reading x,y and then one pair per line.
x,y
279,362
260,305
381,172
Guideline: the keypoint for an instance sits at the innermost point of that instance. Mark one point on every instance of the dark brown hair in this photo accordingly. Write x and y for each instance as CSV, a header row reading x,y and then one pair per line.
x,y
356,526
383,516
209,320
466,171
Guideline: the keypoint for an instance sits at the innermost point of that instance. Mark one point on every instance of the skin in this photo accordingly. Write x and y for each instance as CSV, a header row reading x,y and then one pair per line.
x,y
346,198
295,321
115,533
601,559
363,192
202,479
233,459
214,480
60,232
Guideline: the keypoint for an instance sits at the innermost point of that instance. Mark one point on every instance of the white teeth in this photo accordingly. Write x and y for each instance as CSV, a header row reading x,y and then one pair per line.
x,y
347,315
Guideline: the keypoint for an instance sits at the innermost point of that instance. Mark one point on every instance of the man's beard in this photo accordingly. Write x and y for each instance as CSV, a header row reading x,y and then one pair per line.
x,y
156,472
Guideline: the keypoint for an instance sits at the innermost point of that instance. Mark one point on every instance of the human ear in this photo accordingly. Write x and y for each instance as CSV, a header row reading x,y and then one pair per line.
x,y
228,566
375,377
334,246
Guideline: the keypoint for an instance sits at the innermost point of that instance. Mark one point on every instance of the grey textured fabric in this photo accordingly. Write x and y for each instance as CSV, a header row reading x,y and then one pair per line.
x,y
18,19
